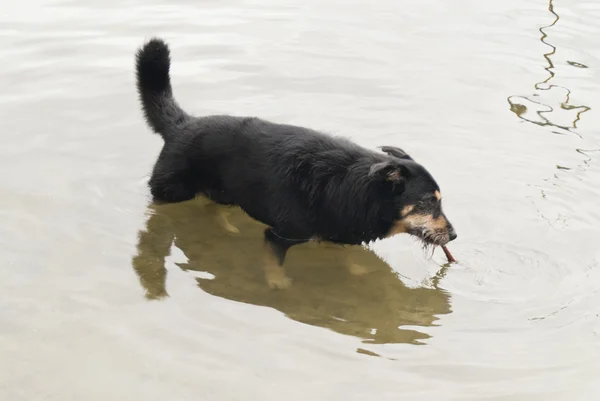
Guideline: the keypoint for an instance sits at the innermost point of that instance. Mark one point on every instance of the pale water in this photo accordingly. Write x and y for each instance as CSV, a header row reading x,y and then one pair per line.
x,y
499,100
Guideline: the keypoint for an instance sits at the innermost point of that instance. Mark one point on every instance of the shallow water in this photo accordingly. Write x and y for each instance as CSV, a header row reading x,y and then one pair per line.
x,y
104,297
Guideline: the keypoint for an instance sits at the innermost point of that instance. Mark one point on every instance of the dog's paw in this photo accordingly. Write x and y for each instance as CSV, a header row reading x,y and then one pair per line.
x,y
231,229
358,270
279,281
224,221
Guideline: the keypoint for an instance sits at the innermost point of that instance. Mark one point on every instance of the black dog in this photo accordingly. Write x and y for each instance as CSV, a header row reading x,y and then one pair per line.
x,y
303,184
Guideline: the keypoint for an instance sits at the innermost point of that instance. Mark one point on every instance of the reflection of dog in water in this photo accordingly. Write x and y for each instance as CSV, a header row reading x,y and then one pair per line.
x,y
346,289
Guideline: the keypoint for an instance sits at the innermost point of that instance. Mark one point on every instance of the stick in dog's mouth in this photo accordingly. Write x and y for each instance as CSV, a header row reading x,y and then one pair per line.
x,y
448,254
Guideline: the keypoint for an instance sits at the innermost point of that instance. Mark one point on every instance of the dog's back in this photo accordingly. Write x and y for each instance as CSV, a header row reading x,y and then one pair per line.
x,y
280,174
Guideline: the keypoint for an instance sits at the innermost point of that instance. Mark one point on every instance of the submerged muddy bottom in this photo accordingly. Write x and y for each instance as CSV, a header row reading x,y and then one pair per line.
x,y
106,297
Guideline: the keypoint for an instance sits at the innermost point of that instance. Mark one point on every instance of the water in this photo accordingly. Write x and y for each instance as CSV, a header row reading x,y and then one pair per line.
x,y
104,297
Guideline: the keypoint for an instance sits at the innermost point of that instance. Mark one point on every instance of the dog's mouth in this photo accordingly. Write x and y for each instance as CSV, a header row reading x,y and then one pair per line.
x,y
430,237
431,231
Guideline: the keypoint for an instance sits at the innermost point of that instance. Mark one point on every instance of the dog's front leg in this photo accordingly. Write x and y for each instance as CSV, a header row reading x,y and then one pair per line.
x,y
275,249
222,214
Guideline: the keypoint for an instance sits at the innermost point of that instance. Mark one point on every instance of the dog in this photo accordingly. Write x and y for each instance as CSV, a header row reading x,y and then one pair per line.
x,y
303,184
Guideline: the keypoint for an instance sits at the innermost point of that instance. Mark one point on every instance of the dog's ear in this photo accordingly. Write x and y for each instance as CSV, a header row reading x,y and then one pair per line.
x,y
396,152
388,171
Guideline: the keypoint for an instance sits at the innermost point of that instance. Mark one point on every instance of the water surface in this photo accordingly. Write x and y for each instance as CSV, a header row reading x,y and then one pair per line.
x,y
106,297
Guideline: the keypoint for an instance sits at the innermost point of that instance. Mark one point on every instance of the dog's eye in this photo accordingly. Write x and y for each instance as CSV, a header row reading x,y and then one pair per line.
x,y
427,202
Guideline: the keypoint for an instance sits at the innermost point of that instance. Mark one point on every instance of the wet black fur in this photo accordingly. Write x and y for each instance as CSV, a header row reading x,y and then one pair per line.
x,y
302,183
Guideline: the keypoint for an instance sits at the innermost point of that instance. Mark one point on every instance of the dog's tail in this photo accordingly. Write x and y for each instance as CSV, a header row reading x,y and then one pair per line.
x,y
162,112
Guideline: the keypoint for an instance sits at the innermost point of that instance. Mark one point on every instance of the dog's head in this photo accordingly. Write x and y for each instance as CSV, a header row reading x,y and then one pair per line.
x,y
417,198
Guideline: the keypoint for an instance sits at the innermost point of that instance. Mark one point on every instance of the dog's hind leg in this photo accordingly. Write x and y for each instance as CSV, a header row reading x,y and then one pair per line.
x,y
276,247
172,188
172,180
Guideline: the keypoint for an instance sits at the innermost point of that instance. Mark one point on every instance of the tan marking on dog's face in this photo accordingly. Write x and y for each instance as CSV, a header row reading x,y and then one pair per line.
x,y
406,210
427,221
419,222
438,195
398,228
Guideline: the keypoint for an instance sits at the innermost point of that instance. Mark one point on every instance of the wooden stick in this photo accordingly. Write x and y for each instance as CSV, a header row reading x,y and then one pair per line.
x,y
448,254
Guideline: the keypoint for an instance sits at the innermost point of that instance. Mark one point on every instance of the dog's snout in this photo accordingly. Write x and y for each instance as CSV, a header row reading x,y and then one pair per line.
x,y
452,234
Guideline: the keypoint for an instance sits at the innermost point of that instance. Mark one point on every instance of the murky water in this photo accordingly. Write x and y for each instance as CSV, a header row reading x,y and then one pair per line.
x,y
104,297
